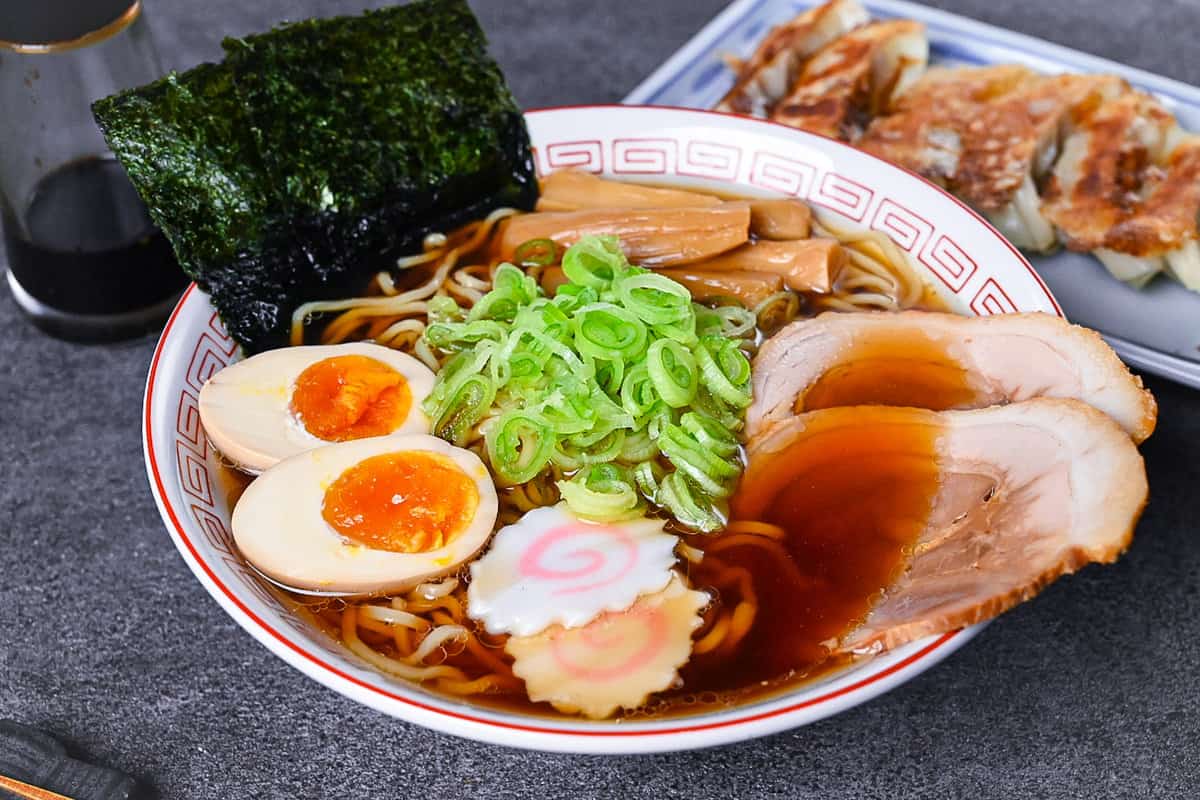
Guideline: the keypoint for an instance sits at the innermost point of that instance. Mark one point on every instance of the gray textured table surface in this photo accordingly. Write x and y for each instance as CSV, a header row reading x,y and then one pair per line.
x,y
108,641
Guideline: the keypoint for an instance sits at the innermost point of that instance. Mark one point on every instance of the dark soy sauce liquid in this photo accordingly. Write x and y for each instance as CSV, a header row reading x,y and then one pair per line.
x,y
882,370
853,499
87,246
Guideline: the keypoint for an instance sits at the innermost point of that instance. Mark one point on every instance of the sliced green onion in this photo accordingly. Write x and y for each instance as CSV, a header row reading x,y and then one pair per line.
x,y
729,417
497,306
682,331
598,431
620,381
737,322
519,445
501,371
708,321
678,496
602,492
465,363
454,335
638,446
710,433
673,371
597,451
566,457
511,289
515,282
571,297
657,419
709,471
527,356
464,406
610,374
576,365
536,253
444,309
638,393
608,410
524,367
543,315
567,414
725,370
656,299
605,330
648,475
594,261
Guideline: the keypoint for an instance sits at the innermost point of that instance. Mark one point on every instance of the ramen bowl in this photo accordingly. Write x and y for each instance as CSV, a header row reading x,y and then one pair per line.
x,y
966,262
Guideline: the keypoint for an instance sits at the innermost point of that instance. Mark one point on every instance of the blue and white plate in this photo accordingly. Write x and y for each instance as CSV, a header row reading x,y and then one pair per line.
x,y
1156,329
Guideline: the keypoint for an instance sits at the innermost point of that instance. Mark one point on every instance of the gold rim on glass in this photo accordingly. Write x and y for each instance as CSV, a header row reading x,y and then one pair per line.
x,y
91,37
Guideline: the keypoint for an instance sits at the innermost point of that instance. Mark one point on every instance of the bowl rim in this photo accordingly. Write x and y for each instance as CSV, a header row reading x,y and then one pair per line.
x,y
506,728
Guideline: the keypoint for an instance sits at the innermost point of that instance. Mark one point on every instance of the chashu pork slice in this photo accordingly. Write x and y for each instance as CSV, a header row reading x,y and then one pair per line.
x,y
854,78
990,135
1020,495
1127,188
765,77
940,361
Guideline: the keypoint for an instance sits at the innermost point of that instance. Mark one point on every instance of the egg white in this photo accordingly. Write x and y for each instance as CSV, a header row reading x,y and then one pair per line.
x,y
278,525
246,407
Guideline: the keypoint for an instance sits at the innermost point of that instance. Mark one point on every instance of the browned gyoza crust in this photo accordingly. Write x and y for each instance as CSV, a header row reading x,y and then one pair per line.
x,y
925,133
1167,218
1006,136
767,75
991,125
1129,190
1122,185
840,89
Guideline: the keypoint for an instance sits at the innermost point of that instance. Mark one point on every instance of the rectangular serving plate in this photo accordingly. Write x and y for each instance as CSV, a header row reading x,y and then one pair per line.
x,y
1156,329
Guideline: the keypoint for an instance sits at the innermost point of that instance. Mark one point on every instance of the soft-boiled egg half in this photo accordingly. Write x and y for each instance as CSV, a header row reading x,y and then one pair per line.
x,y
279,403
373,515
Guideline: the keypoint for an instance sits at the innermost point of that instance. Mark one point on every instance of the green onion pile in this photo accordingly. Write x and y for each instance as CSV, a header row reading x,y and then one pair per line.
x,y
619,387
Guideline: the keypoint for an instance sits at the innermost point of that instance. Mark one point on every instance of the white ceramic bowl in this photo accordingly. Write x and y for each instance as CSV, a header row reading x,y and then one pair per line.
x,y
971,266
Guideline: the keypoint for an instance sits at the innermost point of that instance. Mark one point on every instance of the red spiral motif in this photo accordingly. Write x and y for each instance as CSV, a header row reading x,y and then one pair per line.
x,y
652,624
592,561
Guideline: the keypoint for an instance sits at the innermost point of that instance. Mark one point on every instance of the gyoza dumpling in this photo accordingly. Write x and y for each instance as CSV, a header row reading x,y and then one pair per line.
x,y
926,131
767,75
1127,188
989,135
855,78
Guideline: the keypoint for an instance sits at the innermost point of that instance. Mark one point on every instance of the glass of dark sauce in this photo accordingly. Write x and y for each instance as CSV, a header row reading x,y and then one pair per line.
x,y
85,262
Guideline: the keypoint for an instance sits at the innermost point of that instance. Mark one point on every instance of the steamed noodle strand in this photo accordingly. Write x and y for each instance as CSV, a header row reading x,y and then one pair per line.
x,y
425,635
877,276
350,624
432,591
409,642
755,527
731,626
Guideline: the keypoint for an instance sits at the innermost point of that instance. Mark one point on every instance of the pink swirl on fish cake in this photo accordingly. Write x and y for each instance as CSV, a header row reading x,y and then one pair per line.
x,y
654,624
594,561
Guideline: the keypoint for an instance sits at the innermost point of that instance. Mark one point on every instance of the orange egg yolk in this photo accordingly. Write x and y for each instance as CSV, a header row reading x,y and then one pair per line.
x,y
409,502
350,397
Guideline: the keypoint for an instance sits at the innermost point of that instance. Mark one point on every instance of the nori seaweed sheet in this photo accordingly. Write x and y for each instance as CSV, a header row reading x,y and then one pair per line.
x,y
317,153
